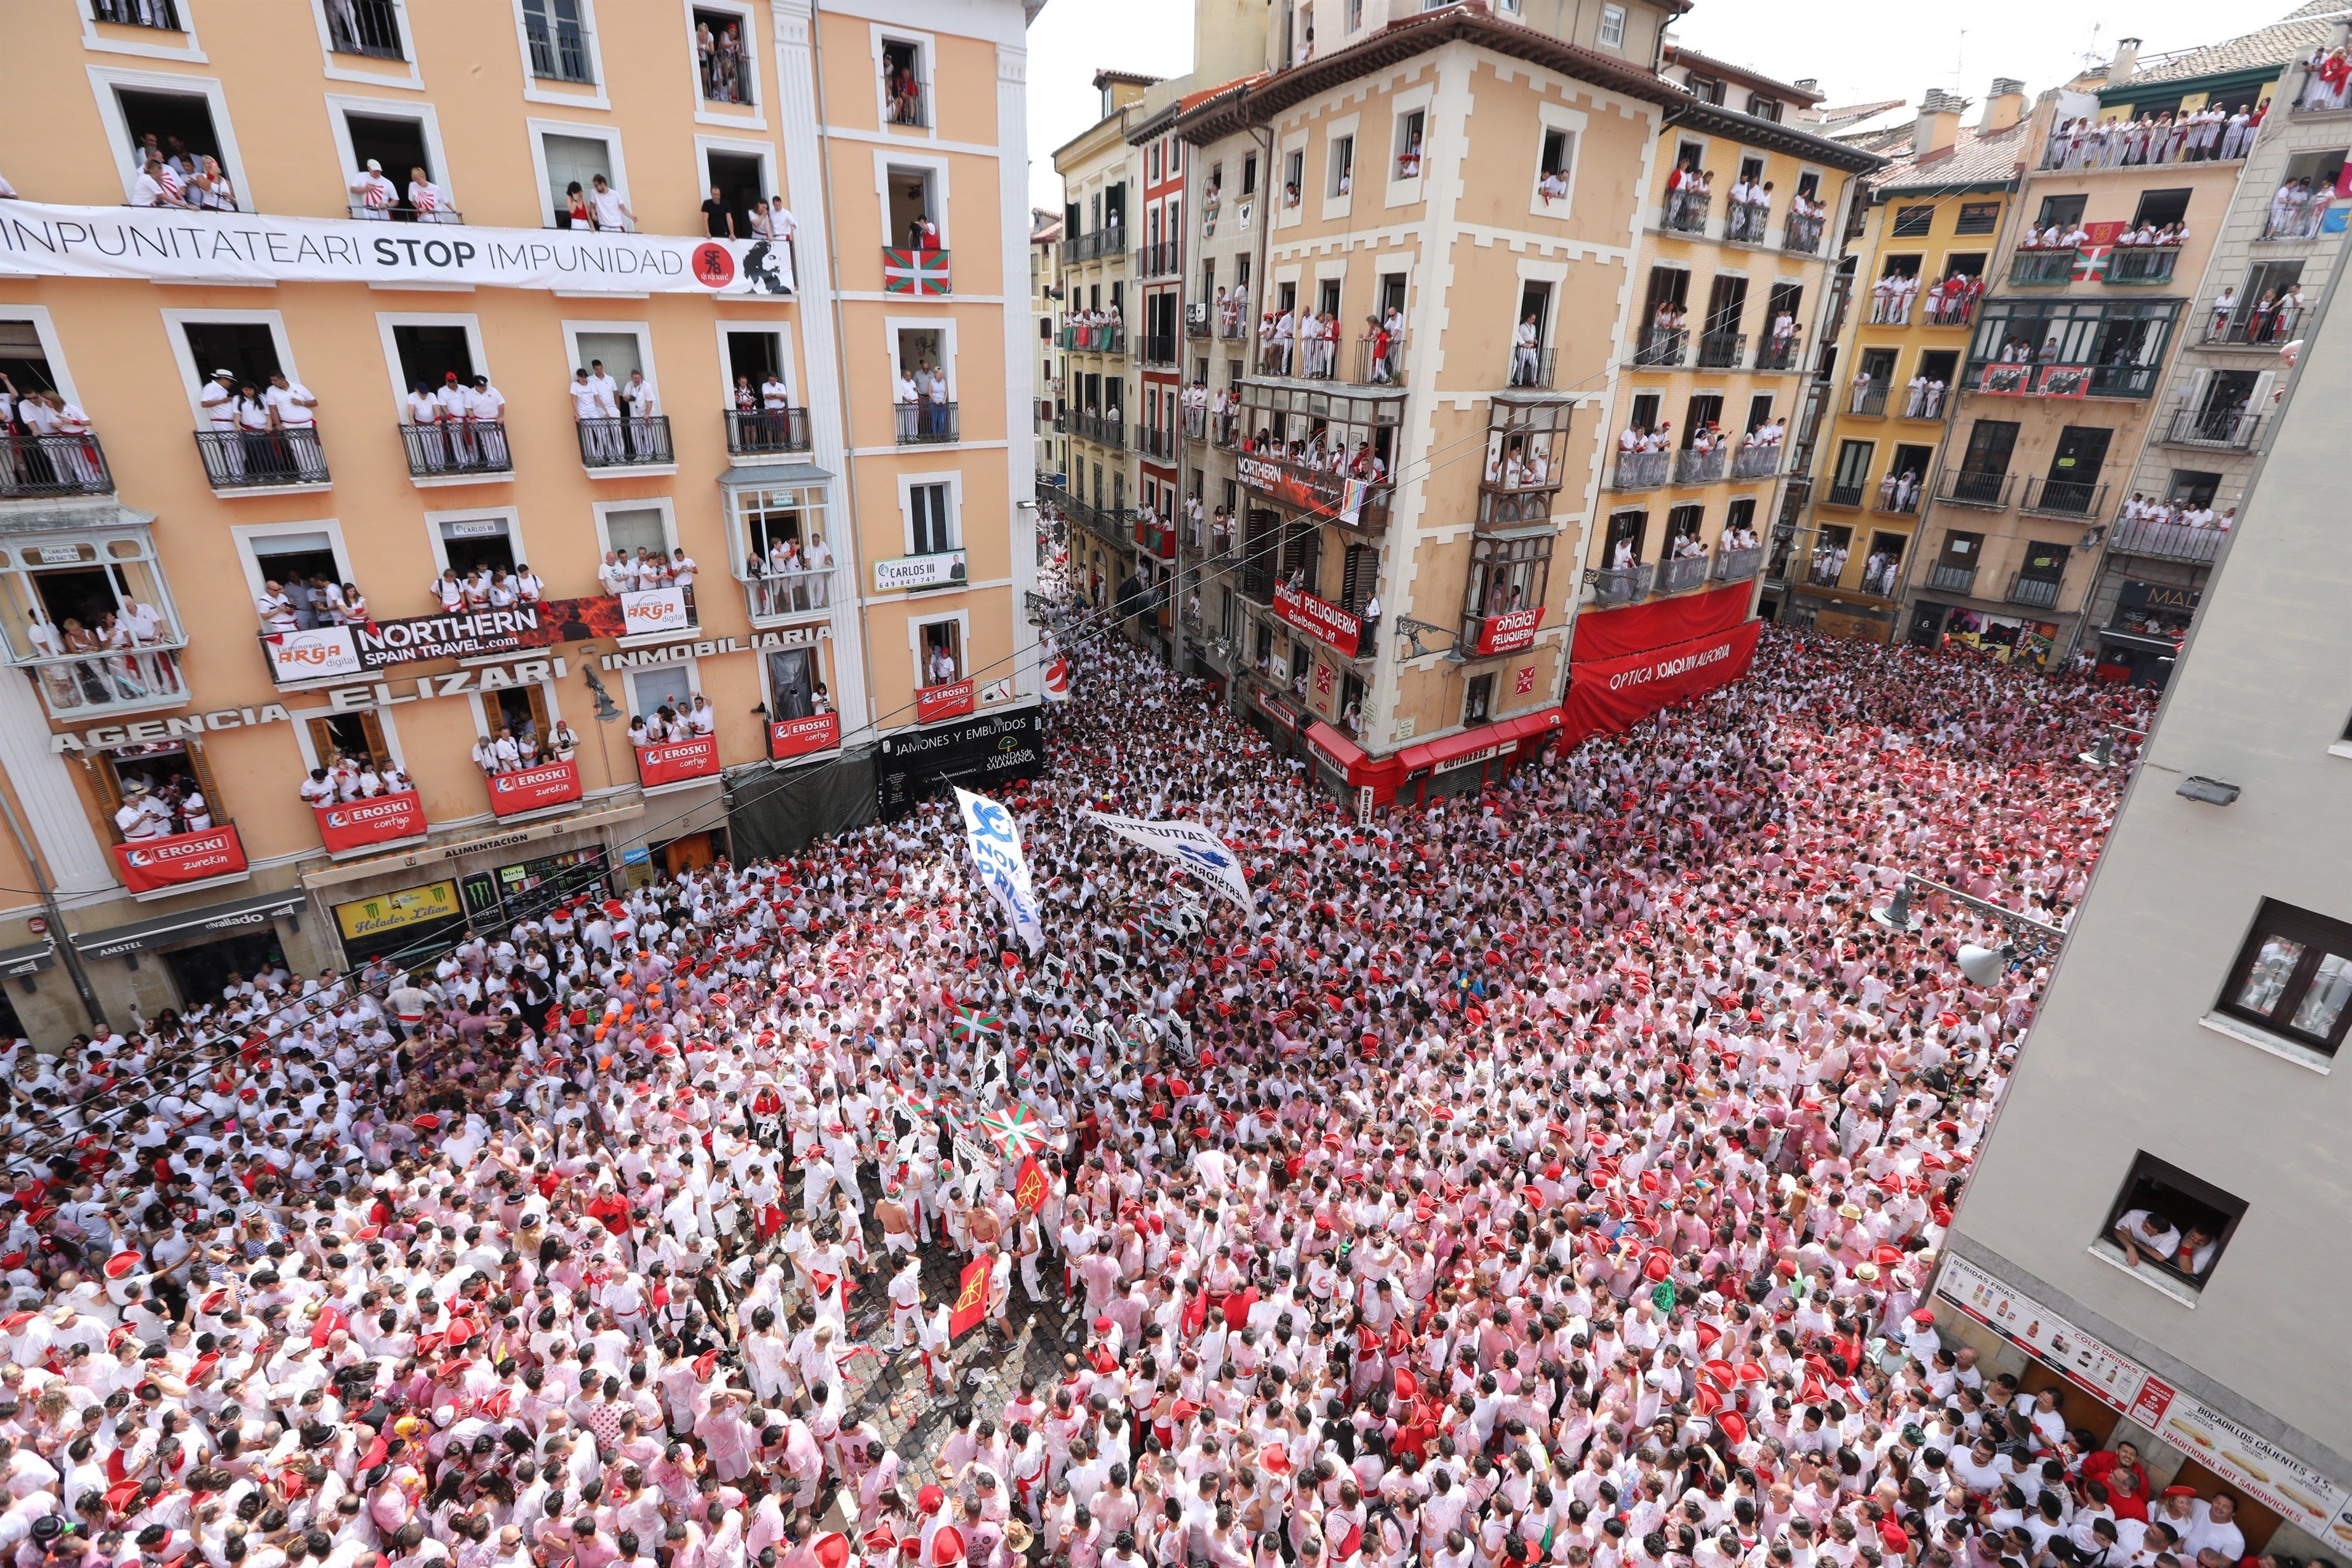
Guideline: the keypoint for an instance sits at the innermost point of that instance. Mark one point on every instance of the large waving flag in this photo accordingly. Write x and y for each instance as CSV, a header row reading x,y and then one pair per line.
x,y
995,840
1190,845
1019,1131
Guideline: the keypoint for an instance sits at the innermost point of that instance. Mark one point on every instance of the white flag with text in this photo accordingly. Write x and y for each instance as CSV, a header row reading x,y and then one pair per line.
x,y
1192,846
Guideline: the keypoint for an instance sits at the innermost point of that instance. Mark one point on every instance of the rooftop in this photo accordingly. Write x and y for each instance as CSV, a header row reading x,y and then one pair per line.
x,y
1682,55
1974,159
2273,47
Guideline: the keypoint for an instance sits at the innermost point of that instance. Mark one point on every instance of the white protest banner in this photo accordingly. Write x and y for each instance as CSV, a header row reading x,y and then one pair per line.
x,y
166,245
1190,846
995,843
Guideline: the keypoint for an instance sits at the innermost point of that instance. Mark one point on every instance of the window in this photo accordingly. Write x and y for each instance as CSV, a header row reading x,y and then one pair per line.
x,y
1707,90
760,522
1343,166
403,145
2169,1225
1853,472
930,520
178,126
631,530
65,588
1977,218
725,56
1409,128
1612,26
557,31
171,770
1558,149
1478,700
1623,546
465,543
942,653
1910,223
2161,207
2293,977
1249,176
574,165
161,15
1293,176
370,27
2061,212
1764,107
430,354
793,682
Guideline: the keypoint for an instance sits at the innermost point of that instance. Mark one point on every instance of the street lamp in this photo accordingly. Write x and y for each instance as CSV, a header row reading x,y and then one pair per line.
x,y
1413,630
1981,965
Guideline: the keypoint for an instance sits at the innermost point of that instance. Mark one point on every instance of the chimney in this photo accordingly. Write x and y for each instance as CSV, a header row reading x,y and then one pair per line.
x,y
1938,125
2119,69
2004,106
1808,84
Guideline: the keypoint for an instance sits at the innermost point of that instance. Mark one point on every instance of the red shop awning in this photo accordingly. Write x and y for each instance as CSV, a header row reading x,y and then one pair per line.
x,y
1327,741
1487,739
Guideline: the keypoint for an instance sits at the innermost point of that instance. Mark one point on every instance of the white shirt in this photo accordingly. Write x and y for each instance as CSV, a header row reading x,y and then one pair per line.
x,y
290,413
605,208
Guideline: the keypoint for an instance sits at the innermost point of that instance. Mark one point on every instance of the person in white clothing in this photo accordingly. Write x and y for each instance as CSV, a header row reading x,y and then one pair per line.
x,y
372,195
218,401
820,568
648,441
427,200
294,409
427,438
592,406
612,213
486,411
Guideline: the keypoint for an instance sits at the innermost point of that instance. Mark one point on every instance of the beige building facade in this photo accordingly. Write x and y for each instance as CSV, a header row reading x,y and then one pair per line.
x,y
844,186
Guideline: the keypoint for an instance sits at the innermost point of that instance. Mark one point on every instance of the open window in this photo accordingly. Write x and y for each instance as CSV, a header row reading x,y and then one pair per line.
x,y
469,544
247,349
405,146
369,27
725,55
430,353
179,126
940,645
740,180
1410,126
1340,179
917,219
2293,978
2168,1225
2159,209
574,159
794,683
358,735
292,557
162,16
1622,545
522,711
171,773
65,594
906,84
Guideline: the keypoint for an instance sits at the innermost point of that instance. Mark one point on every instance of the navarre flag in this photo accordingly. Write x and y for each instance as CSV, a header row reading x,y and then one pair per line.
x,y
914,271
1017,1132
972,1298
1029,1186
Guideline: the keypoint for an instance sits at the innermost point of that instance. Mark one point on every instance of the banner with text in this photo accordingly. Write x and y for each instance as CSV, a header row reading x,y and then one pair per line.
x,y
1620,634
1306,490
1606,697
995,840
1509,631
165,244
1190,845
653,610
675,761
1319,619
799,736
325,653
532,788
148,865
949,701
355,824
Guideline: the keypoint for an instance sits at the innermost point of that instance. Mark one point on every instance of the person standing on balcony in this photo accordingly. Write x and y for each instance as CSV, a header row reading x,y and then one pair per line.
x,y
294,413
906,403
428,201
645,407
776,409
486,414
934,399
453,402
372,195
218,401
593,407
610,212
1524,343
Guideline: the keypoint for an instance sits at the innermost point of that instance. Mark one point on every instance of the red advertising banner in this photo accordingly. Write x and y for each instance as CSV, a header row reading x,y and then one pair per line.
x,y
1302,490
673,761
1620,634
148,865
357,823
1606,697
549,784
942,702
1509,631
799,737
1319,619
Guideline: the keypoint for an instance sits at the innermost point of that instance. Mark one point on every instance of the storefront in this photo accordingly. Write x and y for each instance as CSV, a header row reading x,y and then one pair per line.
x,y
2141,644
981,754
402,924
2004,639
21,964
2285,1505
1466,763
200,949
1278,720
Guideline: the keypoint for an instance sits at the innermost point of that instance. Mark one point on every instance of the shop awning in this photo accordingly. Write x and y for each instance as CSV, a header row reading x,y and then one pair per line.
x,y
1487,739
1341,751
238,915
1273,707
2133,640
772,476
25,961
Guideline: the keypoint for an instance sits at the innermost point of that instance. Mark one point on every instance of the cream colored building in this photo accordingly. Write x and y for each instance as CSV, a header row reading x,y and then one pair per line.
x,y
860,117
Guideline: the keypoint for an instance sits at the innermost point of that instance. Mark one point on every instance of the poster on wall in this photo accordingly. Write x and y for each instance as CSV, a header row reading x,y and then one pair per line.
x,y
166,245
325,653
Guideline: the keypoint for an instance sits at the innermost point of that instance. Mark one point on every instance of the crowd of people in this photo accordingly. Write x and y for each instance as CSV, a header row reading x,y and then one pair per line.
x,y
1551,1175
161,808
2186,512
2216,130
46,442
2074,235
2326,80
261,430
1321,450
674,722
2271,317
519,748
459,424
356,776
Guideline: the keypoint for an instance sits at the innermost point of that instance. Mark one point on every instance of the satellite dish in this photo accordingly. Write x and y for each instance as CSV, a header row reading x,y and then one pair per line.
x,y
1983,964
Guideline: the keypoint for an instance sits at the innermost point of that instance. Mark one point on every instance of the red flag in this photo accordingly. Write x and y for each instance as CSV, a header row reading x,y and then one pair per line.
x,y
972,1298
1029,1186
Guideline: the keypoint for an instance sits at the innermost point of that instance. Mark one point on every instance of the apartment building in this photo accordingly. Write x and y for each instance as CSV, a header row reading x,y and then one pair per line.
x,y
1933,219
1045,306
783,352
2074,336
1102,190
2143,1230
1737,274
1430,220
2275,249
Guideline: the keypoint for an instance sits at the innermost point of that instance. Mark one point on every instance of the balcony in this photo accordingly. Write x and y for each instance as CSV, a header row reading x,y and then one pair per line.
x,y
1959,487
2301,224
1516,506
93,683
1160,349
262,459
1897,498
2123,380
1642,470
1683,573
1237,330
910,102
401,212
768,431
1960,580
1661,349
1088,425
1196,320
161,15
455,451
1618,585
2167,541
775,596
53,465
1841,494
1755,462
2046,379
607,443
1378,363
1738,565
1801,234
1684,214
1196,424
1747,223
1162,260
1868,402
2216,429
1101,245
1949,312
926,423
1103,338
2080,499
1782,354
1698,467
1156,443
2243,330
1721,350
1530,368
2142,263
2041,269
2036,592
